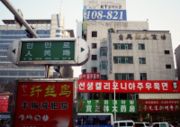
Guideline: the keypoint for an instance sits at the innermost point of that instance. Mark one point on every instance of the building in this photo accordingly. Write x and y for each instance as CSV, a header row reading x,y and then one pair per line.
x,y
177,55
128,51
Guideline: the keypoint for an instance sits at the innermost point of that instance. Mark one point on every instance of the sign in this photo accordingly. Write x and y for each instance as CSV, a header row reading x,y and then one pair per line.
x,y
159,105
44,104
129,86
102,14
90,76
47,51
107,106
4,102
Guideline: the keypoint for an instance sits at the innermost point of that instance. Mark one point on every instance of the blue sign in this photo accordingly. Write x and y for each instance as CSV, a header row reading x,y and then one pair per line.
x,y
100,14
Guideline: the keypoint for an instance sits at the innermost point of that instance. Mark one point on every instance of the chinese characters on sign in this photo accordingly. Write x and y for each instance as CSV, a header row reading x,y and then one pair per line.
x,y
125,86
159,105
47,50
43,103
107,106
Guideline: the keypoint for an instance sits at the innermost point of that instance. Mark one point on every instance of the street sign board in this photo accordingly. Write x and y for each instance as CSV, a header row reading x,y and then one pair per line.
x,y
44,104
50,51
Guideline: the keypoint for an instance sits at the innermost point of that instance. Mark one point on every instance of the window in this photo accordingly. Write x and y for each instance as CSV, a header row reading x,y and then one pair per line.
x,y
121,37
168,66
142,60
103,65
104,77
103,51
154,36
129,36
122,46
166,52
94,69
94,57
163,37
124,76
94,33
143,76
123,59
84,71
141,46
93,45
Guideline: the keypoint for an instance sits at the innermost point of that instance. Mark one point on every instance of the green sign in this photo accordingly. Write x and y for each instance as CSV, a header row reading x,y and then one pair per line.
x,y
107,106
53,50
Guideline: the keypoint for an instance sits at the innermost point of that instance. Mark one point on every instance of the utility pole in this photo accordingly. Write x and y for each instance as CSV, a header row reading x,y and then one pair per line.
x,y
19,18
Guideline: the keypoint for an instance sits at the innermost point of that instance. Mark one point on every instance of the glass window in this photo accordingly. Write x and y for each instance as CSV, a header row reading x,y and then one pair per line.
x,y
129,36
94,45
124,76
94,69
166,52
163,37
94,57
142,60
103,51
121,37
154,36
122,46
84,71
143,76
141,46
94,34
168,66
123,59
103,65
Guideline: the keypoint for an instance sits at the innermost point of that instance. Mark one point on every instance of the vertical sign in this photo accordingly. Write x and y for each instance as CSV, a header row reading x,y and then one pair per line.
x,y
44,104
4,104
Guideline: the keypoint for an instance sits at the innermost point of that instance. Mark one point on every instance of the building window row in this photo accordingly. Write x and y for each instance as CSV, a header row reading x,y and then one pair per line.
x,y
142,37
124,76
123,59
123,46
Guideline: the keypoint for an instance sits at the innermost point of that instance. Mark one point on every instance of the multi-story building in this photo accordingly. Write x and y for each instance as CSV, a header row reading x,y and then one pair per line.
x,y
177,55
126,50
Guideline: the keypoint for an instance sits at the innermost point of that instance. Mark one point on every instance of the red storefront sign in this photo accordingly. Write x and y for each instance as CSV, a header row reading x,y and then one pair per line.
x,y
90,76
129,86
4,101
44,104
159,105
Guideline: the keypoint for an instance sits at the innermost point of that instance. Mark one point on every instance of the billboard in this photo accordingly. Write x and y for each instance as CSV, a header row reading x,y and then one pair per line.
x,y
107,106
44,104
129,86
91,76
159,105
104,14
4,102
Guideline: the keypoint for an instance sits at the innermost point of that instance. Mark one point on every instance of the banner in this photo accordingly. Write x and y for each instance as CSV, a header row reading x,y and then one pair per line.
x,y
4,102
44,104
90,76
129,86
107,106
159,105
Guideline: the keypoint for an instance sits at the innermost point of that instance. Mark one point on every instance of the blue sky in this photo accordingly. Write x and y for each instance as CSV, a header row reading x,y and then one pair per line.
x,y
161,14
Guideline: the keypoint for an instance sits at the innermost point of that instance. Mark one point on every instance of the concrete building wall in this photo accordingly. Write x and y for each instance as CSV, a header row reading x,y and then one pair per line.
x,y
177,55
158,54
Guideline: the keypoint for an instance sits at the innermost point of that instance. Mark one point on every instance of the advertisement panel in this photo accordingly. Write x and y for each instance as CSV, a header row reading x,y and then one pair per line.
x,y
129,86
4,102
159,105
44,104
104,14
107,106
90,76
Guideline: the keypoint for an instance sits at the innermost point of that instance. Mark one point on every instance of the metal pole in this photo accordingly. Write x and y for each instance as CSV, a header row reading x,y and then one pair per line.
x,y
19,17
114,104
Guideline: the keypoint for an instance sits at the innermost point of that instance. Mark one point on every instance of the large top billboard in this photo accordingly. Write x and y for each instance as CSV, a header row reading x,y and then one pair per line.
x,y
44,104
104,14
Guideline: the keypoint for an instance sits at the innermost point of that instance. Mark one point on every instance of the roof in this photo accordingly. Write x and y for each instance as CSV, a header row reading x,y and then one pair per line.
x,y
30,21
